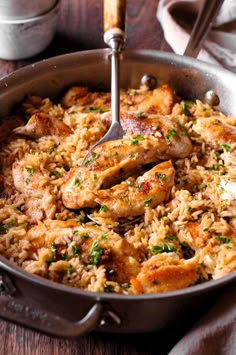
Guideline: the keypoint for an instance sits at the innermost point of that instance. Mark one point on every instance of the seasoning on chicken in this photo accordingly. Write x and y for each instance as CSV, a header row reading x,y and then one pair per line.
x,y
132,196
216,130
92,244
30,181
163,273
41,124
154,125
160,100
111,160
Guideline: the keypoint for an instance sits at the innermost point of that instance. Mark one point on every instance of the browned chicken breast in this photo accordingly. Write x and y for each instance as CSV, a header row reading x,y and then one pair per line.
x,y
132,196
93,245
29,180
160,100
162,273
155,125
215,130
41,124
109,162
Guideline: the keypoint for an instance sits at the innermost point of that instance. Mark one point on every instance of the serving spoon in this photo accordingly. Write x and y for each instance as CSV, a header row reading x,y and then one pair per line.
x,y
114,37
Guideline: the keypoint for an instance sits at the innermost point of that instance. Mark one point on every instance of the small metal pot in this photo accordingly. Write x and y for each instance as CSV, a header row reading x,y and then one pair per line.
x,y
64,311
25,37
22,9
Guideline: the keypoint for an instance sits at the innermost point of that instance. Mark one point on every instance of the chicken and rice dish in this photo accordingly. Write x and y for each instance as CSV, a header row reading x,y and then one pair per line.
x,y
152,212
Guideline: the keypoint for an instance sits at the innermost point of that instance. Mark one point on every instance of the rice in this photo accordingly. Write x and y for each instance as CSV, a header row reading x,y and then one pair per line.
x,y
188,239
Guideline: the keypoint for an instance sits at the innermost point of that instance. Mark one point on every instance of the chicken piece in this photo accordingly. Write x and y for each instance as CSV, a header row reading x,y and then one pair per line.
x,y
96,246
79,95
111,160
215,131
41,124
160,100
30,181
154,125
132,196
163,273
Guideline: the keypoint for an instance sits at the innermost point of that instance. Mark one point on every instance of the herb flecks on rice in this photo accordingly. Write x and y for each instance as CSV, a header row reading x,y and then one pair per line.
x,y
180,227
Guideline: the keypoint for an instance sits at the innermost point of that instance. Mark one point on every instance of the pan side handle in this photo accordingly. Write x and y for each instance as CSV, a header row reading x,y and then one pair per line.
x,y
47,322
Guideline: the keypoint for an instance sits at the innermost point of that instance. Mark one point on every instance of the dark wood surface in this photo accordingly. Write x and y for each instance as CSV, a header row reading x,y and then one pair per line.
x,y
81,28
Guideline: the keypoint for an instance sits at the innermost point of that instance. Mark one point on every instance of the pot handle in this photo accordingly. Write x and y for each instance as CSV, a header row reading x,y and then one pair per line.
x,y
19,312
114,19
47,322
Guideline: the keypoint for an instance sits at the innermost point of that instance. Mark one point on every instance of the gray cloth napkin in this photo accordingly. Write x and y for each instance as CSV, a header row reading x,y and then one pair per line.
x,y
215,332
177,18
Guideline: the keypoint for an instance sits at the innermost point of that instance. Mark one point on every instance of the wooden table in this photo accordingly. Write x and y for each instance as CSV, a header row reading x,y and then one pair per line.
x,y
81,28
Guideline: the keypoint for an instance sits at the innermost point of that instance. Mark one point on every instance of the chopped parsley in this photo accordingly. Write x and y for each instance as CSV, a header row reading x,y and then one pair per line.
x,y
103,208
85,236
161,176
30,171
170,133
21,207
165,248
139,114
222,239
70,269
77,181
226,147
52,149
95,253
108,288
147,202
129,182
104,236
136,139
75,250
171,237
27,181
91,160
186,106
56,173
100,110
4,228
125,286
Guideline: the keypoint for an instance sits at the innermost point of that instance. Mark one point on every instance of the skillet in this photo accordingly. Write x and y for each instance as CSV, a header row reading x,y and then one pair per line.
x,y
64,311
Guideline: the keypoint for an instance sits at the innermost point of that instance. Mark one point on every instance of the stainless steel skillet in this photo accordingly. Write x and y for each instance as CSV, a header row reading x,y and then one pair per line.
x,y
64,311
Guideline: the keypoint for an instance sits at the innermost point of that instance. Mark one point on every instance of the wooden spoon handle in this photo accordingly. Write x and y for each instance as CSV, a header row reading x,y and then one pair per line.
x,y
114,18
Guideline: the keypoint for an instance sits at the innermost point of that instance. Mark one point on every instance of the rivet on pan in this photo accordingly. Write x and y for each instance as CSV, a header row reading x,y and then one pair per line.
x,y
149,80
212,98
109,318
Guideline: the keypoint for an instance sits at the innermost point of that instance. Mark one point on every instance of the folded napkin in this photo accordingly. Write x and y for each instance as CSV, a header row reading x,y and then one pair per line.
x,y
215,333
177,19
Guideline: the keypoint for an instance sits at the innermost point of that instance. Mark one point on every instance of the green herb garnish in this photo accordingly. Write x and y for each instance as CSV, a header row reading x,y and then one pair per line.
x,y
95,253
170,133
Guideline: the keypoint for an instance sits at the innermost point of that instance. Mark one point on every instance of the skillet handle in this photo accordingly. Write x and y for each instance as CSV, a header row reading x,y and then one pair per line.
x,y
20,311
47,322
114,19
